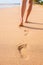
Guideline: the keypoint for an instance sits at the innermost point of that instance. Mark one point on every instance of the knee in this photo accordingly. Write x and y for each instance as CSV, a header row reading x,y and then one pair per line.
x,y
30,1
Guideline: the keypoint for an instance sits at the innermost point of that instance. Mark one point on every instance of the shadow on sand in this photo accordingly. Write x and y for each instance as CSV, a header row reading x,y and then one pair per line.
x,y
34,23
35,28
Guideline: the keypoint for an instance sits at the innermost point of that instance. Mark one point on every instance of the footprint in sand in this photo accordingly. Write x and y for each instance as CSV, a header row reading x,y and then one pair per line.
x,y
26,32
23,51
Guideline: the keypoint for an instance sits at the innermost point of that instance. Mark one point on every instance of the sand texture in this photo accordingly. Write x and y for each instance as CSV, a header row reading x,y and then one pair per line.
x,y
12,36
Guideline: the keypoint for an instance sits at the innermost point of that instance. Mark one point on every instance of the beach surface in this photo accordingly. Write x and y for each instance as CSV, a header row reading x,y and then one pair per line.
x,y
12,36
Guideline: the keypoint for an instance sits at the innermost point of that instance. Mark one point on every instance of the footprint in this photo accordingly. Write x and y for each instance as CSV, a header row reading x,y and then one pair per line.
x,y
21,47
23,51
26,32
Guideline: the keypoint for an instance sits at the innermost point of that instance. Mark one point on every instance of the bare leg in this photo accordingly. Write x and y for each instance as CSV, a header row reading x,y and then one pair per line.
x,y
23,11
29,10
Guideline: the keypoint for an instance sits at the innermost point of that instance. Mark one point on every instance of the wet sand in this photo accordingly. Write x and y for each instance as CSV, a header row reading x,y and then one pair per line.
x,y
11,36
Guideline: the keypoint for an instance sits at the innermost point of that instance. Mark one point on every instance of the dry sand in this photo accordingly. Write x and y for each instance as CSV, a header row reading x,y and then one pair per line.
x,y
11,36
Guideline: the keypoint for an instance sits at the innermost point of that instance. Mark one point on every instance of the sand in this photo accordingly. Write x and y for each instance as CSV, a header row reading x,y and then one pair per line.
x,y
11,36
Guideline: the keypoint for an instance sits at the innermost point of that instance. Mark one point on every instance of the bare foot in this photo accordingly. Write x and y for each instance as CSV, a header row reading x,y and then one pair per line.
x,y
21,24
26,22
